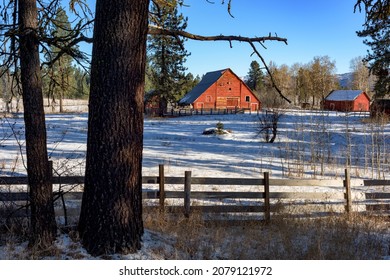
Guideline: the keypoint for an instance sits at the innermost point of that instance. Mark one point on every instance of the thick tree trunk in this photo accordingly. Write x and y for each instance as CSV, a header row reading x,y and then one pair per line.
x,y
111,212
43,223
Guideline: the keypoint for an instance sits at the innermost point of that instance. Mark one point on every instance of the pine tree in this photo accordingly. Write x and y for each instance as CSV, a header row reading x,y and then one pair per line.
x,y
80,88
167,54
111,210
377,32
60,74
5,88
188,84
43,224
255,77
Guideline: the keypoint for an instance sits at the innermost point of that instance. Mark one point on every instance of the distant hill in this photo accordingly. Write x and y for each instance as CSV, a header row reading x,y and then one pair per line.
x,y
345,79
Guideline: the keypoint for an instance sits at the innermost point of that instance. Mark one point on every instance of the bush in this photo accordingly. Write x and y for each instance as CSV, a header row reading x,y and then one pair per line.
x,y
220,128
268,125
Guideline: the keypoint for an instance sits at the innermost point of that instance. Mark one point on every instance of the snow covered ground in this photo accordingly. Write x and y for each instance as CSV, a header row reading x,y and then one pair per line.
x,y
310,144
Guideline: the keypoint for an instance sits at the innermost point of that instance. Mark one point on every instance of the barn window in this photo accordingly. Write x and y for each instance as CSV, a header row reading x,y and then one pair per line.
x,y
247,98
208,98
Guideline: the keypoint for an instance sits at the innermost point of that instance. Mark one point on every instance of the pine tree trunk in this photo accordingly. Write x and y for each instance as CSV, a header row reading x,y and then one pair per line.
x,y
61,101
43,225
111,212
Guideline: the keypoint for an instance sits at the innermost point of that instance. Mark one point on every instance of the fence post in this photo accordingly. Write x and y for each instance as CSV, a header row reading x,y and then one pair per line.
x,y
267,205
161,186
348,193
187,193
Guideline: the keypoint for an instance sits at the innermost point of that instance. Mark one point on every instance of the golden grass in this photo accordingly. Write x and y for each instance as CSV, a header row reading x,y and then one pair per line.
x,y
334,237
287,237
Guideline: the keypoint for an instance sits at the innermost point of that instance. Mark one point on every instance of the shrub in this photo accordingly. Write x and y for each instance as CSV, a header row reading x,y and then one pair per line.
x,y
268,124
220,128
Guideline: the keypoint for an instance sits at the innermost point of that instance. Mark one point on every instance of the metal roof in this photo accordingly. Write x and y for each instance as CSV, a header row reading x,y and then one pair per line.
x,y
208,79
343,95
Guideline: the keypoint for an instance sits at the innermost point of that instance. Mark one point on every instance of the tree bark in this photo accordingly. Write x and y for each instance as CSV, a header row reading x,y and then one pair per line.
x,y
43,225
111,212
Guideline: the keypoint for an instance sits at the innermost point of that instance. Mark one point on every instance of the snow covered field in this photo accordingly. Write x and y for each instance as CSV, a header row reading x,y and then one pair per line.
x,y
309,145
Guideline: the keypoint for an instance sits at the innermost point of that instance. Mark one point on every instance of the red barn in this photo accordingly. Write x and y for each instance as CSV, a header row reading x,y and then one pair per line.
x,y
347,101
221,90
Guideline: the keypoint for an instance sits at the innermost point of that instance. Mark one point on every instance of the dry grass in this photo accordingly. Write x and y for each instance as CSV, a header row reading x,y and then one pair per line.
x,y
286,237
333,237
292,234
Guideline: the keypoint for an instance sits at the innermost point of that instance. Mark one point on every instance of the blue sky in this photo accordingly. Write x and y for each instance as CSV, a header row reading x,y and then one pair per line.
x,y
312,27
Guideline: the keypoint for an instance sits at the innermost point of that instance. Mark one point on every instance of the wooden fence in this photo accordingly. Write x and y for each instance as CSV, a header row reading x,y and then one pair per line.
x,y
265,198
179,112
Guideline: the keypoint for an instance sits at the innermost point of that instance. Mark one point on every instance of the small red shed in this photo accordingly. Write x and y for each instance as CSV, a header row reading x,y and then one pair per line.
x,y
221,89
347,101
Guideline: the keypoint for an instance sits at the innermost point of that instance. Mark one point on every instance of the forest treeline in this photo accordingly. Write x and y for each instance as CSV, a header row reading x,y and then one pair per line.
x,y
308,84
305,84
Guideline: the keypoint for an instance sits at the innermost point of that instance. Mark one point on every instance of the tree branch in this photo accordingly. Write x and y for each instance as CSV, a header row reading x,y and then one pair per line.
x,y
269,73
155,30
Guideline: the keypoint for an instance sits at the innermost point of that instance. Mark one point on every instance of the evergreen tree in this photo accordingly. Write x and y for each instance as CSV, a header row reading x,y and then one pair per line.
x,y
188,84
148,78
60,74
377,33
255,77
111,211
5,88
303,85
43,224
80,89
167,54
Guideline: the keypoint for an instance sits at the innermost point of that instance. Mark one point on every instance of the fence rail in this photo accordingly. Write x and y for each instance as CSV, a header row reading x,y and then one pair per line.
x,y
266,198
190,112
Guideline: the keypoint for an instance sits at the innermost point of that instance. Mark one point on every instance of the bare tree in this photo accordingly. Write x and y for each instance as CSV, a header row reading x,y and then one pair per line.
x,y
362,78
282,77
322,77
268,125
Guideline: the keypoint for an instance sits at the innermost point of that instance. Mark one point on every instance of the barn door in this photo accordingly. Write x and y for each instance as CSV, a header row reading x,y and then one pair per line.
x,y
232,103
254,107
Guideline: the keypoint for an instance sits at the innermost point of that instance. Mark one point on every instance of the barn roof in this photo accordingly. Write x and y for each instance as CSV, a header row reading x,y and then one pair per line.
x,y
208,79
343,95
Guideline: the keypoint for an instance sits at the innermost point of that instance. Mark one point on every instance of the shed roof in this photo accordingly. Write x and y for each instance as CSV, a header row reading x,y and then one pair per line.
x,y
208,79
344,95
